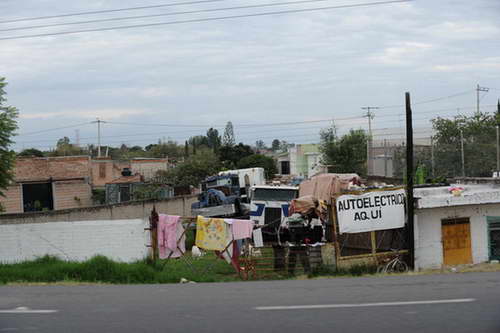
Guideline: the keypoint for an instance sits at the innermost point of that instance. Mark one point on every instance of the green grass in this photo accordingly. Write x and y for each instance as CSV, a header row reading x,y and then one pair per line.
x,y
100,269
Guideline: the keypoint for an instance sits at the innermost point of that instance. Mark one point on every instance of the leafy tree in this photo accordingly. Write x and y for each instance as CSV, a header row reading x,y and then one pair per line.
x,y
8,126
275,145
213,139
168,149
64,147
260,145
479,135
31,152
194,169
345,154
230,155
259,161
228,139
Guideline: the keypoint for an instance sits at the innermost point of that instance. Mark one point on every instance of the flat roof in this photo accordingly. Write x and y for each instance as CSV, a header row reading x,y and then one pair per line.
x,y
436,197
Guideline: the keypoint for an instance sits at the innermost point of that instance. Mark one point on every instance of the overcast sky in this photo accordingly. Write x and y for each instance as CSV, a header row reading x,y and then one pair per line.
x,y
295,67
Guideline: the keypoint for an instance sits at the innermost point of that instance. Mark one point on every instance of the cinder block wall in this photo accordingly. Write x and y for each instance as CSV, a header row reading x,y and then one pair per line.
x,y
72,194
12,201
121,240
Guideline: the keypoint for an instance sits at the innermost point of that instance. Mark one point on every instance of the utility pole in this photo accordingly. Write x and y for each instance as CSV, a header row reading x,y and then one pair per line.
x,y
77,134
385,157
409,182
479,89
432,156
498,138
98,122
463,155
370,116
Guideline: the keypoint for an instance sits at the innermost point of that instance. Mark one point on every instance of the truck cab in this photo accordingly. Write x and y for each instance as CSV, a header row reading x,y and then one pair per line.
x,y
270,204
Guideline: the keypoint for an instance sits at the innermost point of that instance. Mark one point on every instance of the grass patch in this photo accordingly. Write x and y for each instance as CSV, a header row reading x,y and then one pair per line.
x,y
99,269
355,270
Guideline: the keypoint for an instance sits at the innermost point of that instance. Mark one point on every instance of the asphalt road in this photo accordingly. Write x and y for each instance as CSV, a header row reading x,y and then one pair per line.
x,y
433,303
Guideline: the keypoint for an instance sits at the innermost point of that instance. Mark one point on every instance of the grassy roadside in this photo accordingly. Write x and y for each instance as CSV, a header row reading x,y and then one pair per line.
x,y
206,269
103,270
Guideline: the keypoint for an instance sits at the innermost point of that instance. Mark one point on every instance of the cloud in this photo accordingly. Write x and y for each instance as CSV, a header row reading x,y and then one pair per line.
x,y
405,53
105,114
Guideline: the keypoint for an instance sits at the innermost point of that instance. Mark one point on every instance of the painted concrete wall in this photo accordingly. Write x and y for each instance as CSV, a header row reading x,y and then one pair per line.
x,y
121,240
130,210
428,241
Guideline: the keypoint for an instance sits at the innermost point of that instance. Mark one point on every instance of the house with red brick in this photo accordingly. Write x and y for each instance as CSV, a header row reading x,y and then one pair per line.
x,y
49,183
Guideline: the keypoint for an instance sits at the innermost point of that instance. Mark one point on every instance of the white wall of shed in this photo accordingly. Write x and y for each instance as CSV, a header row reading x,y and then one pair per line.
x,y
120,240
428,238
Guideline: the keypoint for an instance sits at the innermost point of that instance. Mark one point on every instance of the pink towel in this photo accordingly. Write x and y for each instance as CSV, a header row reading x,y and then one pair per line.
x,y
170,231
242,229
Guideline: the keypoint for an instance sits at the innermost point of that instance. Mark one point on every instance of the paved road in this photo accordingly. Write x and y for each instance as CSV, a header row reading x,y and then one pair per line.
x,y
468,303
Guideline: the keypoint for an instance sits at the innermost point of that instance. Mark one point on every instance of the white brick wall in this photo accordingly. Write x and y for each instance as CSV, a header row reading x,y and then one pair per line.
x,y
121,240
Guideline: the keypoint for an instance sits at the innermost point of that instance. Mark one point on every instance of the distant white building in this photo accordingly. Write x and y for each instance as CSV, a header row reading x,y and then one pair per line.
x,y
302,160
457,229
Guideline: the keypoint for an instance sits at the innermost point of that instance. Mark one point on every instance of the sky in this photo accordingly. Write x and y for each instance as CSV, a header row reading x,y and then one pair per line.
x,y
282,76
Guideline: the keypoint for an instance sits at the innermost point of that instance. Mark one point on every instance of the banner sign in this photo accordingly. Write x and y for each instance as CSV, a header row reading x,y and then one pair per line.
x,y
378,210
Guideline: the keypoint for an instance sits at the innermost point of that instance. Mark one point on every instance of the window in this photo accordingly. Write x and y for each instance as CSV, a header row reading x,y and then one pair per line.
x,y
102,170
275,194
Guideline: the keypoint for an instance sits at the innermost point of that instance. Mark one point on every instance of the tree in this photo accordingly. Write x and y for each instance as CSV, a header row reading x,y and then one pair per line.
x,y
259,161
194,169
260,145
31,152
228,139
346,154
275,145
479,135
231,155
213,139
8,126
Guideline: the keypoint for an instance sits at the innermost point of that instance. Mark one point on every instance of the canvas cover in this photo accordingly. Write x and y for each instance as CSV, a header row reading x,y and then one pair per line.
x,y
325,186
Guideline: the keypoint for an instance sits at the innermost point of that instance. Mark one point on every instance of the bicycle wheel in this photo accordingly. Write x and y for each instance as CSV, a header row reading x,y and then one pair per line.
x,y
400,267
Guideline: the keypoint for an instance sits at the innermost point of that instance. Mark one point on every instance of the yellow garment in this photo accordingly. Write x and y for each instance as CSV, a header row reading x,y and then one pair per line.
x,y
211,233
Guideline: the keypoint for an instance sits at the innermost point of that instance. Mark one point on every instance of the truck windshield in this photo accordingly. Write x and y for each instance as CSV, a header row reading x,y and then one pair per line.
x,y
268,194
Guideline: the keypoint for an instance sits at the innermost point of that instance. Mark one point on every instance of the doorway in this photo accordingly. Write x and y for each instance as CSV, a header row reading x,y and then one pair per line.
x,y
494,237
456,241
37,197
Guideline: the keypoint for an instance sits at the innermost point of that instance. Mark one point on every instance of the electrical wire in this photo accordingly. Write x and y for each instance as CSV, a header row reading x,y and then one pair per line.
x,y
54,129
289,11
164,14
109,11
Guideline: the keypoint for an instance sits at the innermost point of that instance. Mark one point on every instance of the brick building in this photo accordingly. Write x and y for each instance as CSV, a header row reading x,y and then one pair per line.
x,y
49,183
105,170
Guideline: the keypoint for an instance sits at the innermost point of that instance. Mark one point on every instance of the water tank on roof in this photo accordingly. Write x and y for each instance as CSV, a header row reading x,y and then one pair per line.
x,y
126,172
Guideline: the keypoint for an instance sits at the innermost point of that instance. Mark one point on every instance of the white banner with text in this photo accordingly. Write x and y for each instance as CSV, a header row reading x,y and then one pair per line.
x,y
377,210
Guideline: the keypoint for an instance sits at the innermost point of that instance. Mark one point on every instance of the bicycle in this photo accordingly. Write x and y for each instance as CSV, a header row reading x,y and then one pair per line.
x,y
395,264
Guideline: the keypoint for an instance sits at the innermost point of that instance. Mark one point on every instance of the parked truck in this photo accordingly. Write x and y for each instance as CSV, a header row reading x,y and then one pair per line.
x,y
247,178
219,197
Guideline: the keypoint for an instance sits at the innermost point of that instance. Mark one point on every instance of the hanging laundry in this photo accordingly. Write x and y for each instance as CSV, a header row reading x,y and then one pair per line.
x,y
257,238
171,237
242,229
211,233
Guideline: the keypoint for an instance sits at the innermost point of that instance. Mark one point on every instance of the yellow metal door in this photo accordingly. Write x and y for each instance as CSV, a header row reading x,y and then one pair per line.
x,y
456,242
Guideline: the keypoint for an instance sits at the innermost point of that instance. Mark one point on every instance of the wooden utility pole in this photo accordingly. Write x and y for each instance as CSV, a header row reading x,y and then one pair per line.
x,y
409,183
498,138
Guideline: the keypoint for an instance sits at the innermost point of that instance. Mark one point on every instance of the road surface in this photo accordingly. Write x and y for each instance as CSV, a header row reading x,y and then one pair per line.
x,y
432,303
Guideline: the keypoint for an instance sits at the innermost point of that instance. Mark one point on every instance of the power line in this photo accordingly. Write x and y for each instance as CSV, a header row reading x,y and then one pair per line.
x,y
429,100
163,14
289,11
54,129
108,11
